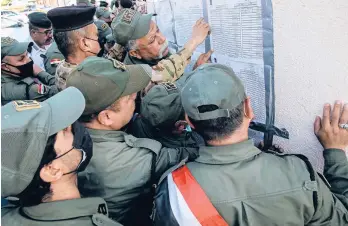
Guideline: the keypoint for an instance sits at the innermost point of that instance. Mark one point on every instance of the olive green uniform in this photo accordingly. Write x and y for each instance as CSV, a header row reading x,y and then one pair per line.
x,y
52,59
248,187
37,88
126,181
85,211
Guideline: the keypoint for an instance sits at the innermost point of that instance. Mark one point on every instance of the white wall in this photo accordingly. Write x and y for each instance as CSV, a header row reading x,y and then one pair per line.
x,y
311,66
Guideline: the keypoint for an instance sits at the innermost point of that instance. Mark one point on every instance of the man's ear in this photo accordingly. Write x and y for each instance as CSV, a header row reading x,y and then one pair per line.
x,y
248,110
83,45
104,118
134,53
189,122
51,173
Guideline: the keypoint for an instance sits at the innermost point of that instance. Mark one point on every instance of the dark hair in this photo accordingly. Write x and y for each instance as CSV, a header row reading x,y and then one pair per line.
x,y
63,43
219,128
117,4
38,190
127,4
32,27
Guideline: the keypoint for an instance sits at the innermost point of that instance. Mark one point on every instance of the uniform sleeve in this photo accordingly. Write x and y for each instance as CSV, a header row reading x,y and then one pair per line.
x,y
173,68
333,196
46,78
169,157
41,92
11,91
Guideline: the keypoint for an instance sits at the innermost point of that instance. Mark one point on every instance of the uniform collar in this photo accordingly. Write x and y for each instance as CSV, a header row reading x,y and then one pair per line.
x,y
107,135
36,47
227,154
67,209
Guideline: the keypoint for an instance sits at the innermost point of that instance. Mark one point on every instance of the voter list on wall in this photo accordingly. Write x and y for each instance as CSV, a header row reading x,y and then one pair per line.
x,y
236,38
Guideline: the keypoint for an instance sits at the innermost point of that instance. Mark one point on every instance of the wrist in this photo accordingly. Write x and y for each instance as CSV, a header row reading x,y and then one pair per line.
x,y
191,44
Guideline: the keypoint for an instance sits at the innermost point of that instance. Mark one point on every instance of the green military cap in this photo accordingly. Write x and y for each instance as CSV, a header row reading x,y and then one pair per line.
x,y
212,84
39,19
70,18
25,129
83,3
103,81
130,25
103,29
11,47
102,12
162,105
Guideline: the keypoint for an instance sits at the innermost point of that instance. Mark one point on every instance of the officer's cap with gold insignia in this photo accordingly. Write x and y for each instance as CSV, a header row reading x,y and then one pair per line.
x,y
26,127
70,18
110,79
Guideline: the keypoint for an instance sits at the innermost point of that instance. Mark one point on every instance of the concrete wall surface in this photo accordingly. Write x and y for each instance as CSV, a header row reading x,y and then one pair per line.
x,y
311,67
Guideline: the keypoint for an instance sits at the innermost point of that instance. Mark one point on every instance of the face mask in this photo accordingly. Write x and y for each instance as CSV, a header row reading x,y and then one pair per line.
x,y
26,70
96,54
82,142
162,50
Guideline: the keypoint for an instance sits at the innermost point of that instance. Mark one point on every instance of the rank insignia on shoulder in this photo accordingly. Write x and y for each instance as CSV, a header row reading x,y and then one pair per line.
x,y
169,86
128,16
23,105
118,64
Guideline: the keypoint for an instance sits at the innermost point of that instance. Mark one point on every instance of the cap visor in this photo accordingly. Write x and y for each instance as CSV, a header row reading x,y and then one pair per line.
x,y
140,76
67,106
143,27
19,48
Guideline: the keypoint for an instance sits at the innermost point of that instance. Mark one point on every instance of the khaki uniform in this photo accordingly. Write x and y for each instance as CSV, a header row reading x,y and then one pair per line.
x,y
63,71
84,212
39,88
122,171
171,68
250,187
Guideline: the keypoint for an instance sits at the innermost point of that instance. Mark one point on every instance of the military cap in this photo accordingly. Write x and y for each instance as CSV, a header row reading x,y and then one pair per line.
x,y
110,38
130,25
162,105
212,84
83,3
25,129
103,81
102,12
11,47
103,29
70,18
39,19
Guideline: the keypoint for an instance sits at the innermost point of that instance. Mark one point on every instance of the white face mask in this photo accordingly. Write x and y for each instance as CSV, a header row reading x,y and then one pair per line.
x,y
162,50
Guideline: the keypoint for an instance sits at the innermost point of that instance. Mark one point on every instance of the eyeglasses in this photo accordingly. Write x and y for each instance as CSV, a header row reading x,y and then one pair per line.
x,y
84,156
46,32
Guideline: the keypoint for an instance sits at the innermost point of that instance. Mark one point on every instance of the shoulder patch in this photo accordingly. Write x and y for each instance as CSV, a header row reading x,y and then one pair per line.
x,y
55,61
23,105
128,16
118,64
42,89
169,86
104,26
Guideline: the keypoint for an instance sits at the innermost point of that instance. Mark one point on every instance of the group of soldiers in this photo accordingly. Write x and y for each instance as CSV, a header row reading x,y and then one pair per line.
x,y
105,128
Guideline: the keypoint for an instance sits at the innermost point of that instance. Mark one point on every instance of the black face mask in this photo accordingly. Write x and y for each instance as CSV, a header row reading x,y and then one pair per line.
x,y
26,70
82,142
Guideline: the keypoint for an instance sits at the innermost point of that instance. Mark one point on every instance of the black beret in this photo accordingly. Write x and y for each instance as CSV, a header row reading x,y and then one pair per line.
x,y
39,19
70,18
